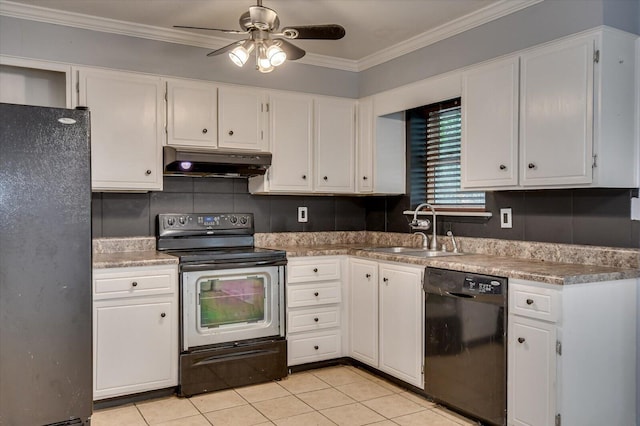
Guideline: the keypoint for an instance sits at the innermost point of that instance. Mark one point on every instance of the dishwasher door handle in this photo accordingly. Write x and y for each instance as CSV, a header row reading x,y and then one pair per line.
x,y
461,295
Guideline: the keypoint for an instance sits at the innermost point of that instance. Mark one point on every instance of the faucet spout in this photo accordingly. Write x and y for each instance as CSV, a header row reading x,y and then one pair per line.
x,y
414,222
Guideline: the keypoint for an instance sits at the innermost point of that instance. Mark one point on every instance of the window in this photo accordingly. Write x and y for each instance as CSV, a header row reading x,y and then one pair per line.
x,y
433,133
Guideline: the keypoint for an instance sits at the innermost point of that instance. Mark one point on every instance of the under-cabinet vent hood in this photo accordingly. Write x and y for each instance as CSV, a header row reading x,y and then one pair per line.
x,y
184,162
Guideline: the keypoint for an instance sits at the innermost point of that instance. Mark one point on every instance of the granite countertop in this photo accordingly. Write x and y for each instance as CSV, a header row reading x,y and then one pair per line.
x,y
527,269
132,258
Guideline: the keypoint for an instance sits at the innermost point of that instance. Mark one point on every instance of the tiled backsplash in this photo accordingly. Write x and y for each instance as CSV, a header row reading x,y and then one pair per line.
x,y
581,216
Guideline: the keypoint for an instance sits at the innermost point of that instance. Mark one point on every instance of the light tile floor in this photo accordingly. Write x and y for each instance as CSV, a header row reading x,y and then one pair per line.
x,y
341,395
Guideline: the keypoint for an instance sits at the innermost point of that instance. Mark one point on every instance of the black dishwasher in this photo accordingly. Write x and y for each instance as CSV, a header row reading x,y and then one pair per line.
x,y
465,343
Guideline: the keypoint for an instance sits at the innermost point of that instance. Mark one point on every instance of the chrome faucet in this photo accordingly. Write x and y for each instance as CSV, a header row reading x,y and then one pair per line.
x,y
414,223
425,239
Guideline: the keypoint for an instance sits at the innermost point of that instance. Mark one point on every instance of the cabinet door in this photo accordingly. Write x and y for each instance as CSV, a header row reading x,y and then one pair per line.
x,y
557,113
135,346
291,128
532,372
363,310
192,114
127,122
364,176
241,119
490,125
335,145
401,323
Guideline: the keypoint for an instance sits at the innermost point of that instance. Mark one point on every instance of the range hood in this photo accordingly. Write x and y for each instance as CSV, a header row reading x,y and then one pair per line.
x,y
185,162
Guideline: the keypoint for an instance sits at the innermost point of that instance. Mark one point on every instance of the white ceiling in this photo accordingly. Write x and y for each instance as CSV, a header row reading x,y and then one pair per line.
x,y
376,30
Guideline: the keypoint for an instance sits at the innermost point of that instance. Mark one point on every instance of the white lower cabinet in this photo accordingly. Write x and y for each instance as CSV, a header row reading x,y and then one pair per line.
x,y
572,354
135,330
386,318
314,309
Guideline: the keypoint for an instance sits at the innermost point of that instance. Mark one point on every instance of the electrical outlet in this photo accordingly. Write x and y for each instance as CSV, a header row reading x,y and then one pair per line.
x,y
303,216
505,218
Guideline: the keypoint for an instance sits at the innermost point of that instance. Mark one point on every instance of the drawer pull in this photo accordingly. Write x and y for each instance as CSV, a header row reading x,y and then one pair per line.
x,y
205,131
163,315
316,319
230,132
386,280
316,294
531,165
529,301
503,167
134,284
520,339
368,275
304,177
316,347
148,172
315,270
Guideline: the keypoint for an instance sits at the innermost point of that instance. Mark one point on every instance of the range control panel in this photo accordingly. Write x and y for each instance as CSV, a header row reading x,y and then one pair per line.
x,y
204,223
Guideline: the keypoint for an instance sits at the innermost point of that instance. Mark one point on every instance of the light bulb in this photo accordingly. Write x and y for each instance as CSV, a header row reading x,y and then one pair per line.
x,y
276,55
239,55
262,61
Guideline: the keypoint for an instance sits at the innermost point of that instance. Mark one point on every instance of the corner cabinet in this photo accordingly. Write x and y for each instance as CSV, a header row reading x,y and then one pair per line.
x,y
560,115
386,318
562,343
135,330
312,139
127,128
334,145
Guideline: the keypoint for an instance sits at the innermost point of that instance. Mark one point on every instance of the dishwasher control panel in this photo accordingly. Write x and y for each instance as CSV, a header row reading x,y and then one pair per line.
x,y
482,285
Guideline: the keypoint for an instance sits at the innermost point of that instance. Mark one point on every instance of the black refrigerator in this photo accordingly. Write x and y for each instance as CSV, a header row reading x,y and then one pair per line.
x,y
45,266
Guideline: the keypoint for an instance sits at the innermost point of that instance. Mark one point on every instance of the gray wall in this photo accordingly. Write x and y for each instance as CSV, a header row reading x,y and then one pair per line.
x,y
19,37
536,24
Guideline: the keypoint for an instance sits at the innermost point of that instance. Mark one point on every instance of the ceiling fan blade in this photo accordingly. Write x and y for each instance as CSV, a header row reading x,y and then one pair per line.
x,y
293,52
212,29
315,32
226,48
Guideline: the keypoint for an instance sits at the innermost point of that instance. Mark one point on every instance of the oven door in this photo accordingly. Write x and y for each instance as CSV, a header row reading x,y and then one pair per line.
x,y
230,305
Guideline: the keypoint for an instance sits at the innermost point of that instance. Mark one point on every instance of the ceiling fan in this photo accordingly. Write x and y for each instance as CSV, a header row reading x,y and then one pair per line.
x,y
269,45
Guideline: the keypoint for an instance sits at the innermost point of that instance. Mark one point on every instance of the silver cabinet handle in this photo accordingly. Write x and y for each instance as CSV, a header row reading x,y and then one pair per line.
x,y
163,315
531,166
316,294
230,132
316,319
204,131
148,172
503,167
529,301
521,339
134,284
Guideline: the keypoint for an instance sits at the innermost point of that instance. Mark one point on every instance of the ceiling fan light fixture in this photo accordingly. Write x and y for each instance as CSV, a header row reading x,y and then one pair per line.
x,y
276,55
240,54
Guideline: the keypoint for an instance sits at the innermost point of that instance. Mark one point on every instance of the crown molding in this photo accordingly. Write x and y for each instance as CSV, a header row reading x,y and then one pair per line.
x,y
94,23
457,26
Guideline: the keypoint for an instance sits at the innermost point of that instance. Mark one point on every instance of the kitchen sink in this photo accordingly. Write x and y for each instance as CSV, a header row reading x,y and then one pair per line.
x,y
413,251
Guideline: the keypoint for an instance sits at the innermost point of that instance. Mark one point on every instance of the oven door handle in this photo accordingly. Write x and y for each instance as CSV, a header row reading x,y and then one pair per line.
x,y
230,265
235,355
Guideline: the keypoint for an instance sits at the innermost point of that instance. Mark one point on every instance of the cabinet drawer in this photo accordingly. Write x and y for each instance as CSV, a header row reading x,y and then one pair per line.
x,y
533,302
122,284
313,294
310,347
313,319
313,269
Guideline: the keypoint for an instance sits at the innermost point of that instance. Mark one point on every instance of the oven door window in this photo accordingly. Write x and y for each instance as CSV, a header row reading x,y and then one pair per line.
x,y
231,301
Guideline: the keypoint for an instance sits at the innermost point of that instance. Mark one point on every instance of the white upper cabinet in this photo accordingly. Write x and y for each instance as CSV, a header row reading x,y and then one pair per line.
x,y
291,135
312,139
127,128
334,145
241,118
364,175
557,113
490,124
192,114
565,120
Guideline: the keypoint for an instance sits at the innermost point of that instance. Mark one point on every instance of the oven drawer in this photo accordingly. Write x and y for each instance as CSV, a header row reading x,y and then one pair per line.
x,y
313,294
127,282
313,269
313,319
539,303
311,347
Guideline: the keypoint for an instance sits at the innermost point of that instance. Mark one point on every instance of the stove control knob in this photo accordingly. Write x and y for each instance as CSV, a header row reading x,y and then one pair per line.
x,y
182,220
171,221
233,219
243,220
